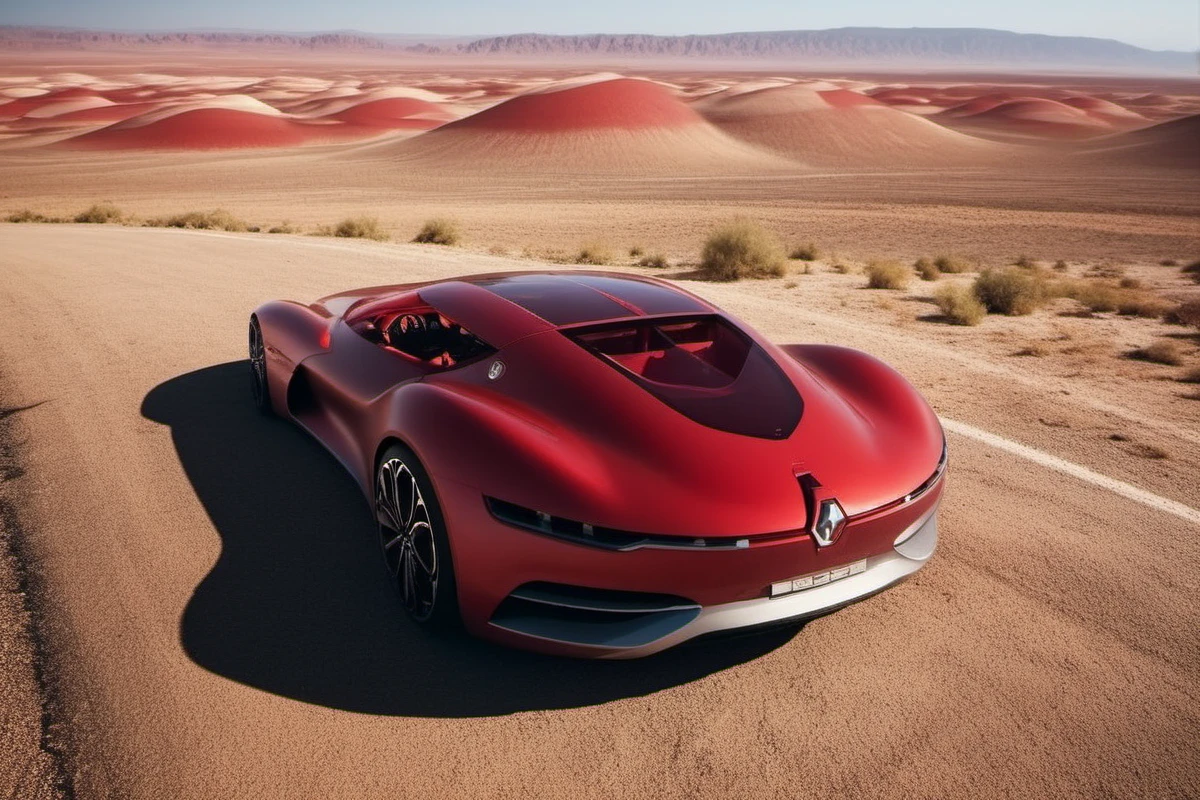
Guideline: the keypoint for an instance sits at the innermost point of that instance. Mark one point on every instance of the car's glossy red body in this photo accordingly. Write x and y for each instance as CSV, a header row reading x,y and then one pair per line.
x,y
581,436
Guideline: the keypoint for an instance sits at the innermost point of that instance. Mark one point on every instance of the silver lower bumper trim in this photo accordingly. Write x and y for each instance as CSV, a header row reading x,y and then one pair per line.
x,y
882,571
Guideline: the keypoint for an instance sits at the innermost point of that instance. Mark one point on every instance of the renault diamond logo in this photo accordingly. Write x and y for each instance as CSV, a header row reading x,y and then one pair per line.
x,y
830,521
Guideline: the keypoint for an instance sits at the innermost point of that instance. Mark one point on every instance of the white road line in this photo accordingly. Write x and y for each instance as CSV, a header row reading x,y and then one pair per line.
x,y
1113,485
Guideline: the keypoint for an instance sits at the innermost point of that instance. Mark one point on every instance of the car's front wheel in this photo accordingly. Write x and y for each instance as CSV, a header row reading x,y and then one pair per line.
x,y
412,534
258,368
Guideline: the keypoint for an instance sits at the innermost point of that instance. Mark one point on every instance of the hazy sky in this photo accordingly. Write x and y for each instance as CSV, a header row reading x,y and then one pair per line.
x,y
1157,24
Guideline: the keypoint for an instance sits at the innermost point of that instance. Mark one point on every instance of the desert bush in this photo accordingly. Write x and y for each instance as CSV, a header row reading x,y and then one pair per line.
x,y
952,264
1025,262
1191,376
657,261
594,253
841,267
637,251
1164,351
360,228
959,304
25,215
1143,304
1168,262
741,249
283,227
1060,266
1012,291
887,275
100,213
216,220
1185,314
439,230
1098,298
1130,283
927,269
805,252
1193,269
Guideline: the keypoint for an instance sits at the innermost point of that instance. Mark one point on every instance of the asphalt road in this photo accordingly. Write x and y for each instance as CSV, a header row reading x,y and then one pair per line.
x,y
221,627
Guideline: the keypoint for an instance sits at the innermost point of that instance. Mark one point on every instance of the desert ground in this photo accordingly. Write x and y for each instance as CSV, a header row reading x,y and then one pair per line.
x,y
191,602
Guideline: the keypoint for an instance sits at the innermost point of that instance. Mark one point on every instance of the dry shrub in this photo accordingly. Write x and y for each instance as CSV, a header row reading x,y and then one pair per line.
x,y
952,264
959,305
1185,314
1193,269
1025,262
283,227
100,213
927,269
1144,304
741,249
805,252
657,261
360,228
1060,266
637,251
1130,283
1012,291
1035,350
439,230
1169,262
887,275
841,268
595,254
216,220
1191,376
1164,351
1099,298
25,215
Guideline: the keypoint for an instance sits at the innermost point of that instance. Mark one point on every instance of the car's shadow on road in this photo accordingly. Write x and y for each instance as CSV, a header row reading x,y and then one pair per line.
x,y
298,603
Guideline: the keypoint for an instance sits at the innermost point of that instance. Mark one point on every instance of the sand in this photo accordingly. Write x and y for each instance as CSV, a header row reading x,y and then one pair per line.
x,y
233,635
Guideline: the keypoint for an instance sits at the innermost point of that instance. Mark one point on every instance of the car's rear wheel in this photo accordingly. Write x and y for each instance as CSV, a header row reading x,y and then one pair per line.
x,y
258,368
412,534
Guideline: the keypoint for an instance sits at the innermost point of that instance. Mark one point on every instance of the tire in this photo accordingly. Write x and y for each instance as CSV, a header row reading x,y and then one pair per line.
x,y
417,558
258,369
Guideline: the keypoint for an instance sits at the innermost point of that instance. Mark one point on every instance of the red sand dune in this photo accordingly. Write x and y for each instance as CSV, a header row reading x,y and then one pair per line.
x,y
15,109
200,129
113,113
1028,117
394,112
1173,145
624,103
838,128
618,125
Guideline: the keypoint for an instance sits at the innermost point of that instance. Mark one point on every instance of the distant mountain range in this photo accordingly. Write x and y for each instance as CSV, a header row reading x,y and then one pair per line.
x,y
928,47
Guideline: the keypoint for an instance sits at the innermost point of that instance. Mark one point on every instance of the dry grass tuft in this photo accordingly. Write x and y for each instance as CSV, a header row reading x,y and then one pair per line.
x,y
1164,351
596,254
101,213
356,228
1130,283
741,249
841,267
216,220
1186,314
927,269
1192,269
439,230
283,227
1191,376
657,261
1013,291
805,252
1145,305
1025,262
887,275
1035,350
25,215
959,305
1060,266
952,264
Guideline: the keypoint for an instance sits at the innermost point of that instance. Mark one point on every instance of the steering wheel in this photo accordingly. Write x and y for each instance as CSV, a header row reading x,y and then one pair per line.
x,y
402,327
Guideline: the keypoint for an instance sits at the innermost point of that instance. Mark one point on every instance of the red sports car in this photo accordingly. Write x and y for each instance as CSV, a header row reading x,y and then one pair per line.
x,y
604,465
